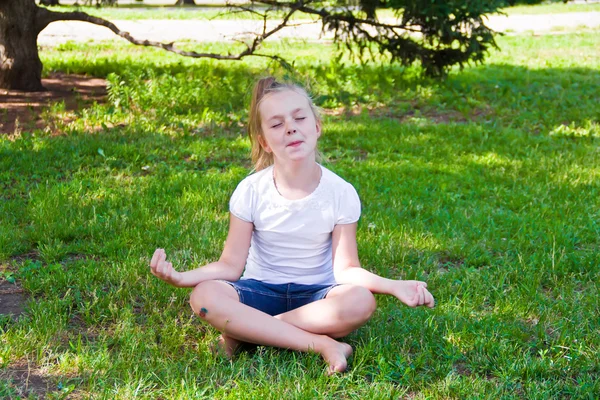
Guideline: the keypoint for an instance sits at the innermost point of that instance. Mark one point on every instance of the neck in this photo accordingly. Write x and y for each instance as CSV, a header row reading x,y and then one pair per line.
x,y
298,179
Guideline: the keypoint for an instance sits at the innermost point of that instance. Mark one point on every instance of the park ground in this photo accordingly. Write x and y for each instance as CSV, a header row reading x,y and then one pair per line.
x,y
210,25
485,184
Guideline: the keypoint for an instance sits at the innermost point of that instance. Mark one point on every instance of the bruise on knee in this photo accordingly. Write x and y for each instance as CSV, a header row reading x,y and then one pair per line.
x,y
202,313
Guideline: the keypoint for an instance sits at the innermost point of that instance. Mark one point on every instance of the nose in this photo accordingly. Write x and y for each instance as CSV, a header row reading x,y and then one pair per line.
x,y
290,128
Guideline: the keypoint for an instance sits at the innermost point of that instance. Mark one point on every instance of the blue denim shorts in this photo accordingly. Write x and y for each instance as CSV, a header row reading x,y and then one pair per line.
x,y
275,299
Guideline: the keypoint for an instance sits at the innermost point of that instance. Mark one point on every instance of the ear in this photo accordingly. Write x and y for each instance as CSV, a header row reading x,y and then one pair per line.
x,y
263,143
318,129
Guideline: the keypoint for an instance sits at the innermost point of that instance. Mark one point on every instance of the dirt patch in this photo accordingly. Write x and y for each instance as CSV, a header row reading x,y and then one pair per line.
x,y
462,368
12,299
32,255
26,380
23,110
447,261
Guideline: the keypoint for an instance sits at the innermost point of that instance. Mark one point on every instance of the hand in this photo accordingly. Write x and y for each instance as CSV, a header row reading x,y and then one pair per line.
x,y
163,269
413,293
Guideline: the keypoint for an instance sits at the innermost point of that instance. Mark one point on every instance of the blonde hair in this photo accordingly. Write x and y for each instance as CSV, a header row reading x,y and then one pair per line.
x,y
260,158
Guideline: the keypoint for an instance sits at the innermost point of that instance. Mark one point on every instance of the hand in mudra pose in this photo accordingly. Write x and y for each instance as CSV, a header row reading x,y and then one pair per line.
x,y
161,268
413,293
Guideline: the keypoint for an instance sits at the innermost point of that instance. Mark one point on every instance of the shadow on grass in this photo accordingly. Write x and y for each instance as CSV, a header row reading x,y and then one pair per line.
x,y
498,154
459,201
499,95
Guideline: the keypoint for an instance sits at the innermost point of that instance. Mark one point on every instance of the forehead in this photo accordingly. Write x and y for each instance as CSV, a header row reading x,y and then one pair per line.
x,y
281,103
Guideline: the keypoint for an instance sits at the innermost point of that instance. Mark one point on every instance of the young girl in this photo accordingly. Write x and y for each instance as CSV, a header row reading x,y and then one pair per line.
x,y
292,233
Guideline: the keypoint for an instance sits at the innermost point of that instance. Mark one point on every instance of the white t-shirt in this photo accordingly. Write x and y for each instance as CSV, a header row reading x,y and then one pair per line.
x,y
291,241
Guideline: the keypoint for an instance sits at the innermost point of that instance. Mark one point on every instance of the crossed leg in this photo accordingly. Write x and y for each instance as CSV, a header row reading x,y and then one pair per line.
x,y
344,309
311,327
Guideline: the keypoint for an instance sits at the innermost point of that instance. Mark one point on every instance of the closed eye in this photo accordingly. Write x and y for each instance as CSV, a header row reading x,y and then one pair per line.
x,y
300,118
276,125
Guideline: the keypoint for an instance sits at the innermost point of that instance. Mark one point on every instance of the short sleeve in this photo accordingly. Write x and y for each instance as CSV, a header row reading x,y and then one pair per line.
x,y
349,206
241,203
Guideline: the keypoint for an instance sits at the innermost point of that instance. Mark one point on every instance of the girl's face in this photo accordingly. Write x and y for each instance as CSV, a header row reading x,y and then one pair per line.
x,y
290,129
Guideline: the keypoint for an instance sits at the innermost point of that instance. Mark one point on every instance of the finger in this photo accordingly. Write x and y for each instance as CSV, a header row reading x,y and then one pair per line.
x,y
160,269
415,299
154,259
159,257
429,300
421,295
168,270
163,256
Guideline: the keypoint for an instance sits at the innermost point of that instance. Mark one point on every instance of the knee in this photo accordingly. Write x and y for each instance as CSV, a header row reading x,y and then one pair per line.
x,y
203,297
363,303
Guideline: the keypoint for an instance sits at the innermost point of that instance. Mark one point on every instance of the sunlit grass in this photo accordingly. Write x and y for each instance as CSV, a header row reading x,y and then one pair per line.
x,y
557,7
143,12
485,184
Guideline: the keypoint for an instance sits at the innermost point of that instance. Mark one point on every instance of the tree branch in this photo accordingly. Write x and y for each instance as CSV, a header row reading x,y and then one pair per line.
x,y
46,17
326,16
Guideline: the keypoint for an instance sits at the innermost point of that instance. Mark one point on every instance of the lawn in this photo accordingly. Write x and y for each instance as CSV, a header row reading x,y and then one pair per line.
x,y
485,184
137,12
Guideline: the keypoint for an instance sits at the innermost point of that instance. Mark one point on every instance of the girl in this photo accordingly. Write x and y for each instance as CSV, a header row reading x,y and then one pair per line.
x,y
292,233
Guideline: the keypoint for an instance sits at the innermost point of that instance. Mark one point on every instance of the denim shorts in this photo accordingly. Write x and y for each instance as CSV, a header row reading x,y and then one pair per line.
x,y
275,299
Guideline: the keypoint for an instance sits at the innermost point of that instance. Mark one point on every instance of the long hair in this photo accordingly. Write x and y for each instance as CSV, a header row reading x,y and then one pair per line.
x,y
260,158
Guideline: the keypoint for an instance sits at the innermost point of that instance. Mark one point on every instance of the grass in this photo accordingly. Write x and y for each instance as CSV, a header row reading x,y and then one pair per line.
x,y
485,184
551,8
138,12
135,12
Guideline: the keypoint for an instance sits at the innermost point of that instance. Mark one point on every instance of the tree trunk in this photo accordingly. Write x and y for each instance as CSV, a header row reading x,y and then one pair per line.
x,y
49,2
185,3
20,64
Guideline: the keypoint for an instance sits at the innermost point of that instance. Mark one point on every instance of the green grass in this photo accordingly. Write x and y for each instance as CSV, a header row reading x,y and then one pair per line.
x,y
485,184
135,12
169,12
551,8
537,9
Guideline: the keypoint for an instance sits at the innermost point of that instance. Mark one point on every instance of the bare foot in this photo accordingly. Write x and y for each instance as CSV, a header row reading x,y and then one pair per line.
x,y
336,355
226,346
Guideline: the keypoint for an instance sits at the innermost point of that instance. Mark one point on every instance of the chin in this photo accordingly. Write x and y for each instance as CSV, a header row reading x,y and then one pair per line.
x,y
306,157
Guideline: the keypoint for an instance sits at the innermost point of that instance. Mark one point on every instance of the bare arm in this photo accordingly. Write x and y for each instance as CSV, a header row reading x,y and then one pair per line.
x,y
229,267
347,270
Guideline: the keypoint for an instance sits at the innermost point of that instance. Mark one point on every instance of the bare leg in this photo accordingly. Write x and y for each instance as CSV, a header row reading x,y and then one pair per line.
x,y
218,304
343,310
226,344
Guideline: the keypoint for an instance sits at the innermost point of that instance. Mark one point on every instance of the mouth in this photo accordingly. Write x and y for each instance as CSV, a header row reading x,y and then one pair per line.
x,y
295,144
